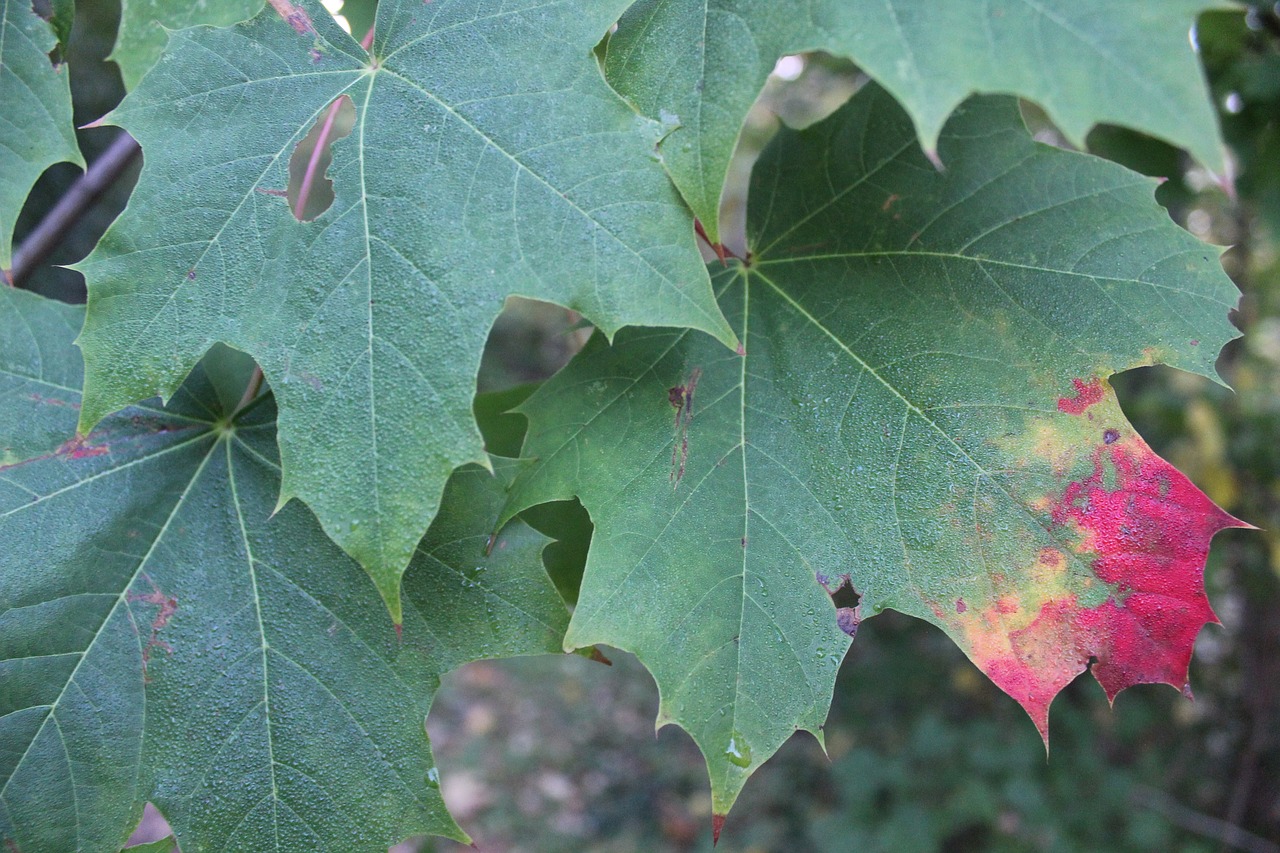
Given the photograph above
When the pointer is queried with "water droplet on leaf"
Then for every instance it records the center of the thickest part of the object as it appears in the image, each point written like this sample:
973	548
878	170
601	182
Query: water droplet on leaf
738	752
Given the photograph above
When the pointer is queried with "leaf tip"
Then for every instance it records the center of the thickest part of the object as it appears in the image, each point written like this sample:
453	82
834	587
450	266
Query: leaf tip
390	592
717	824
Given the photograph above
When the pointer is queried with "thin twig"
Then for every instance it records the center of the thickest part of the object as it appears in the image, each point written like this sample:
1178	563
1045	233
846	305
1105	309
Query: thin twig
100	175
1201	824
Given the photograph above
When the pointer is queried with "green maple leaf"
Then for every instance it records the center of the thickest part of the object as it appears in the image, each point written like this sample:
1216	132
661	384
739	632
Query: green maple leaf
488	158
922	409
164	637
699	64
36	130
144	26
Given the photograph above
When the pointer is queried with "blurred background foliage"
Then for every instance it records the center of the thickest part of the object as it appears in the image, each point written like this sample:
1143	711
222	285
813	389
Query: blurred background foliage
924	753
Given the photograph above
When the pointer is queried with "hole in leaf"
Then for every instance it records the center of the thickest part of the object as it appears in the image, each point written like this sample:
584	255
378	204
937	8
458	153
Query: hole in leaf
529	341
310	191
822	83
153	827
845	595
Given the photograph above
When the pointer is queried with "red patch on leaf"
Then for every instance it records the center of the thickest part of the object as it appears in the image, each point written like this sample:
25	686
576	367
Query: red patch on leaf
717	824
1148	529
1087	393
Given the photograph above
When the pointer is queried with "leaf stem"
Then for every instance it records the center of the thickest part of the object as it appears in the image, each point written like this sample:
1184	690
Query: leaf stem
101	174
722	251
313	163
250	392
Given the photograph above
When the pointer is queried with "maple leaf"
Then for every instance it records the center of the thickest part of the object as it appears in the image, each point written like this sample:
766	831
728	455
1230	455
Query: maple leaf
488	158
922	414
699	64
36	130
144	26
165	637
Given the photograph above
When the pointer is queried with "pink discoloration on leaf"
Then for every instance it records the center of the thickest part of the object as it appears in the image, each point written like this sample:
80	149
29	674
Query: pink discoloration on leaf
1145	530
53	401
1087	394
73	448
294	16
79	448
167	607
848	619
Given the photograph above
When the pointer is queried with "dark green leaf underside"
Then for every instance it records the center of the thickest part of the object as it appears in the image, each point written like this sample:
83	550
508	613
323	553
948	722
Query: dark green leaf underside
164	637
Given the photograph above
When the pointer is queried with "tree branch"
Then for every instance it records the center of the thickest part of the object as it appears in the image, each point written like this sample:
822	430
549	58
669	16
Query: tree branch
100	175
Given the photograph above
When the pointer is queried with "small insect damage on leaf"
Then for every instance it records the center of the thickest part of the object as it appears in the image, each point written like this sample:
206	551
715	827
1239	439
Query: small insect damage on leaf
294	16
681	399
848	602
1144	529
167	606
